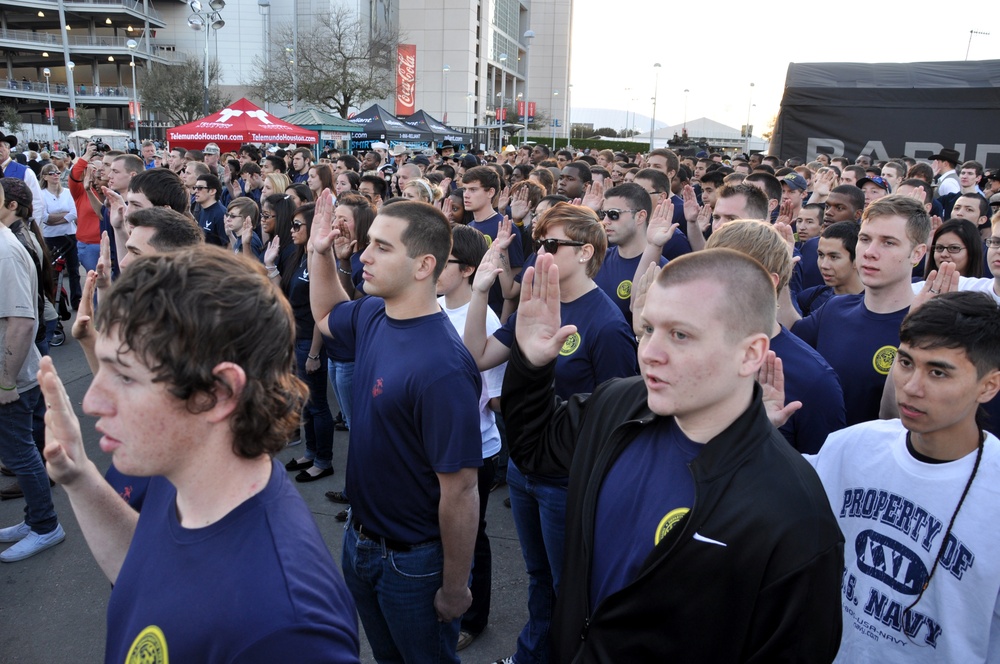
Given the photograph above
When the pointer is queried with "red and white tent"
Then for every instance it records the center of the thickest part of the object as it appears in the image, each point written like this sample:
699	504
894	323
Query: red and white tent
240	122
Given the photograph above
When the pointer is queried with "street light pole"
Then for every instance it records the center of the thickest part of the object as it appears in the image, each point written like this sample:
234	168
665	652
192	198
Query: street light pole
207	21
686	91
749	106
132	45
444	104
528	36
503	100
47	73
555	93
652	121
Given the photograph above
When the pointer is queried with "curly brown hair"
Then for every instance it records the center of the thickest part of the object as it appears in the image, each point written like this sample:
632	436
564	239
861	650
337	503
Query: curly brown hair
185	312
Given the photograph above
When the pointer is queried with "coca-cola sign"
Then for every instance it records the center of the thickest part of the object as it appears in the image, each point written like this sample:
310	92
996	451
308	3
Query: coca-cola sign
406	79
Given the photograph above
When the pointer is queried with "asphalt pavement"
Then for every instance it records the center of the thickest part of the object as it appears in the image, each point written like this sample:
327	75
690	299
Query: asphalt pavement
53	605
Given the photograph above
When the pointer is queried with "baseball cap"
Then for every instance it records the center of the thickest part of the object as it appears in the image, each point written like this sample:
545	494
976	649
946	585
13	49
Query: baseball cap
469	161
212	148
796	181
877	181
421	159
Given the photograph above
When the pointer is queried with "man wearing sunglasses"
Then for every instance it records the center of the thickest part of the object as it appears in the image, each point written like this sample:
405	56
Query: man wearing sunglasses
625	215
210	216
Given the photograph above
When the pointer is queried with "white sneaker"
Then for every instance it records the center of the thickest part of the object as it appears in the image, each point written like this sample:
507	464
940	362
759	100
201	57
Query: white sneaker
15	533
505	660
30	543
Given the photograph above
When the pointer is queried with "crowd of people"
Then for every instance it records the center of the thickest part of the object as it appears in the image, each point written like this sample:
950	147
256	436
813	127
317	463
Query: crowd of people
745	408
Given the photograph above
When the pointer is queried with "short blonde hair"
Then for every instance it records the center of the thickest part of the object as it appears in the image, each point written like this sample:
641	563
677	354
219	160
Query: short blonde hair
760	241
580	224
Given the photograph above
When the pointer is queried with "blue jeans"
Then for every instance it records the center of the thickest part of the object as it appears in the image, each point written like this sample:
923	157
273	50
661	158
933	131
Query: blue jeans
19	453
394	593
342	378
316	417
88	255
539	511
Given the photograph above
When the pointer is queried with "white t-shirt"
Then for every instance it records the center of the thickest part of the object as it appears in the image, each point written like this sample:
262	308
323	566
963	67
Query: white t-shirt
492	378
894	511
61	203
977	284
18	299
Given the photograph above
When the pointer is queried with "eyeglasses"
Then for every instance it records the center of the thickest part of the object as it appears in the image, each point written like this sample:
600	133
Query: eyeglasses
267	215
551	245
296	225
232	216
992	242
612	213
950	248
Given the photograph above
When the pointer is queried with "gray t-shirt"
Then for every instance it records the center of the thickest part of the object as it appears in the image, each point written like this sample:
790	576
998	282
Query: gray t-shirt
18	299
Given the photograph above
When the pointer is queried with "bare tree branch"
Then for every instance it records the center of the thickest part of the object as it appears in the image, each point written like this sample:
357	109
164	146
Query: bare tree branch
337	64
177	91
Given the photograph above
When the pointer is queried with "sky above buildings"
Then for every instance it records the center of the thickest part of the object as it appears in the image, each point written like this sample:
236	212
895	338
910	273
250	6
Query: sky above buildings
717	49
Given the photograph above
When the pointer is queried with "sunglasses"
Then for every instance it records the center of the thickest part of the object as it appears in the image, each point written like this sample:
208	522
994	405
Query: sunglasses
296	225
612	213
198	187
551	245
267	215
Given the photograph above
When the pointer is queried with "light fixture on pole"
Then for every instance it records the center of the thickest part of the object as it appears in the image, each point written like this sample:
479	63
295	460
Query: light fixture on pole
444	105
652	121
749	128
132	45
974	32
46	73
528	36
503	100
468	108
207	20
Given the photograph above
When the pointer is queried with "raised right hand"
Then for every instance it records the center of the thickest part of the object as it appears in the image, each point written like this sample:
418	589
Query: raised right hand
539	330
323	233
104	263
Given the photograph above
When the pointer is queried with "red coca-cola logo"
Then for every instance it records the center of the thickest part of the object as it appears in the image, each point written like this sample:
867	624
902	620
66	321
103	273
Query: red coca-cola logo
406	70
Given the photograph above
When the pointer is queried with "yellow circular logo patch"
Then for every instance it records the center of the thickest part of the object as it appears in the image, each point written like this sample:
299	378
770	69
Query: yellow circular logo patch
489	240
150	647
668	522
882	360
570	345
625	290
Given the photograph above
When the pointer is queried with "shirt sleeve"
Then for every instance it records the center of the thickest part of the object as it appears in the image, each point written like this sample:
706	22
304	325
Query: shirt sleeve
37	202
807	328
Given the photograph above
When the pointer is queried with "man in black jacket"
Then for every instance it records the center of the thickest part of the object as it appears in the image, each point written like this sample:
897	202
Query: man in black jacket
694	531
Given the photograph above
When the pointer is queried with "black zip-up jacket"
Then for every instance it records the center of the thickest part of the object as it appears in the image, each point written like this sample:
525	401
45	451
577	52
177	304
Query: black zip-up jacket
764	587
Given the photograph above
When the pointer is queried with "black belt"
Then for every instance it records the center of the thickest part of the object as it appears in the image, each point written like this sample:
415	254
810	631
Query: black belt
365	534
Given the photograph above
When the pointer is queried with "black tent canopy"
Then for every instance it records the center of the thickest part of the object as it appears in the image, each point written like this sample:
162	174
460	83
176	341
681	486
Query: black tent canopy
425	122
889	110
381	125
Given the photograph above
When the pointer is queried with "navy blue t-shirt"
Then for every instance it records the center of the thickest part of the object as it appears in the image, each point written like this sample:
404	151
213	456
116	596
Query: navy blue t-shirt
615	279
812	299
256	246
859	344
212	222
647	492
603	346
255	586
415	413
298	297
811	275
810	379
489	227
132	489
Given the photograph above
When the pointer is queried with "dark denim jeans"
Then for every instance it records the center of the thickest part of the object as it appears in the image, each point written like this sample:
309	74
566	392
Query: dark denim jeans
316	418
539	510
394	593
19	453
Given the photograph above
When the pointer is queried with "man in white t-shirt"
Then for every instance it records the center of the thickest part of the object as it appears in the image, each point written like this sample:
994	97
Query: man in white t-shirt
916	497
454	287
